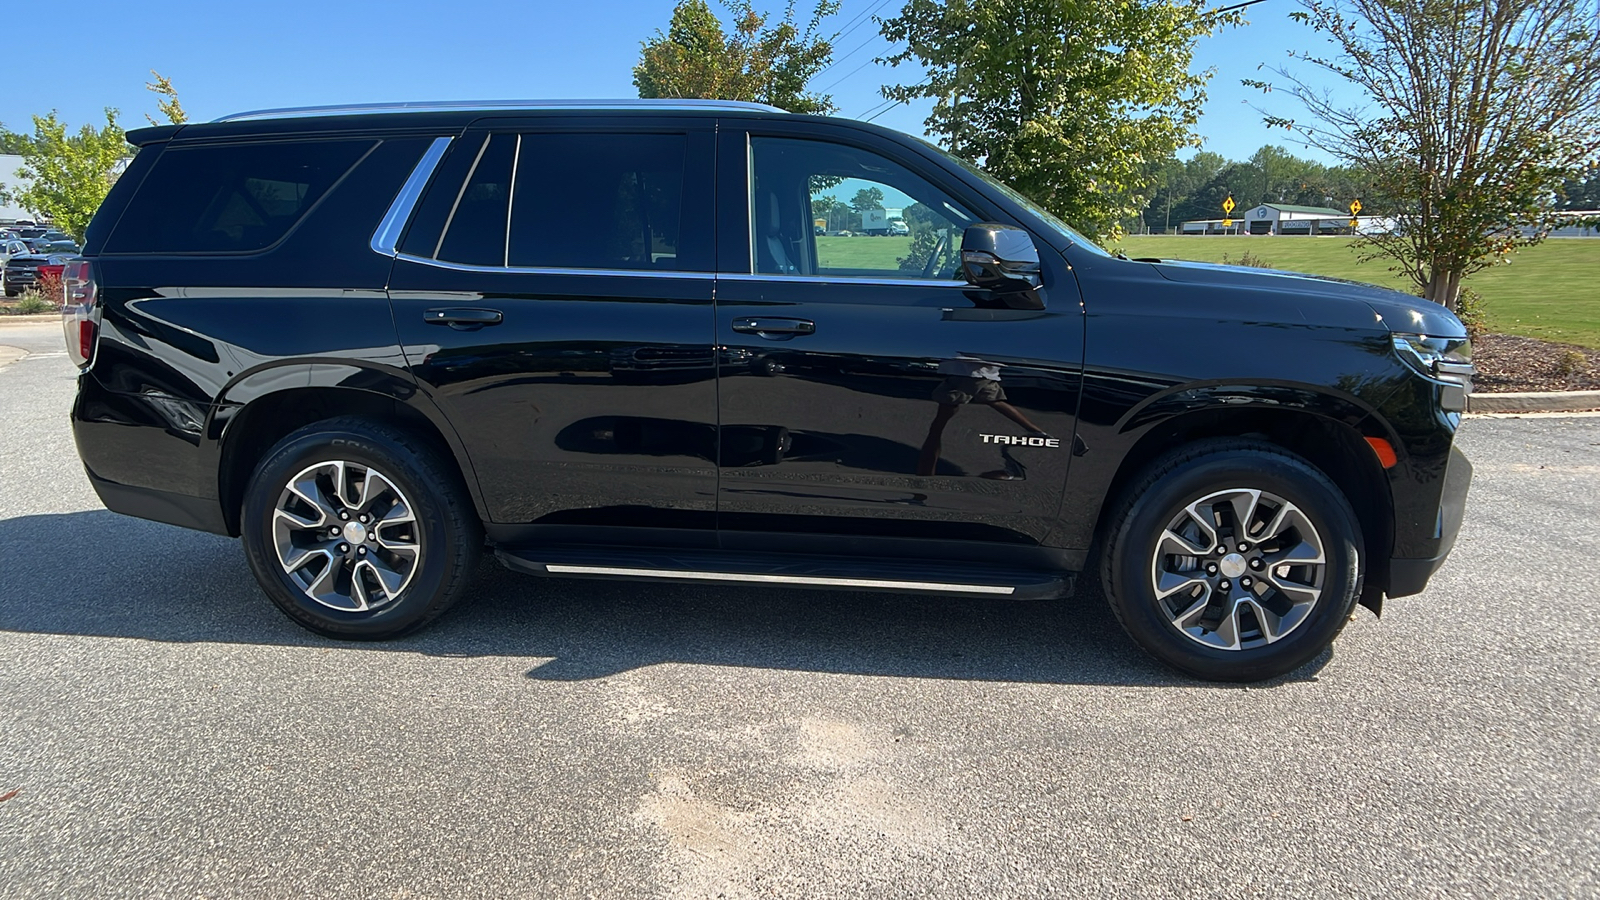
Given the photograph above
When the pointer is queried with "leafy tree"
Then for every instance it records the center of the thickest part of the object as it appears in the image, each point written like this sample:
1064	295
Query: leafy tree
1069	102
71	173
1582	191
758	62
867	198
12	142
1475	112
169	105
1175	182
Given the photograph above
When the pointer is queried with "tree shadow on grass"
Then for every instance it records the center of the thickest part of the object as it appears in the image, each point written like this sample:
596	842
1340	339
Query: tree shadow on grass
99	574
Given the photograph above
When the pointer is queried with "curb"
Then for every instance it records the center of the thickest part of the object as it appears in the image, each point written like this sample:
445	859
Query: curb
1534	401
29	320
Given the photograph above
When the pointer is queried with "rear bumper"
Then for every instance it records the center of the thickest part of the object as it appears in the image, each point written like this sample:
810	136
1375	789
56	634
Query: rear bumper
160	506
1409	575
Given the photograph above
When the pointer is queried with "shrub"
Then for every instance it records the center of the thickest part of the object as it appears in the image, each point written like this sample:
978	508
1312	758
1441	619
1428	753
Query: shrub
33	304
1247	259
50	288
1572	363
1469	309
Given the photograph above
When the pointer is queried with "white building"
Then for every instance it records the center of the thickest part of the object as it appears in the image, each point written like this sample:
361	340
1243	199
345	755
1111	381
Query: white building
11	177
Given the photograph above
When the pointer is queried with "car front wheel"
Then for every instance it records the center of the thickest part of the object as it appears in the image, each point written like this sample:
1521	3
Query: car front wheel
1233	561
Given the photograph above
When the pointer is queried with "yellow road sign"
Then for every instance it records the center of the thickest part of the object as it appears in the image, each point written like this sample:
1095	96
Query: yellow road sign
1354	223
1227	223
1355	207
1227	205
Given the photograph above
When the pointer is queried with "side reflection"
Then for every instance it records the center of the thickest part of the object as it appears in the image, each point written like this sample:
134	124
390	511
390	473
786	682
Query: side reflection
969	379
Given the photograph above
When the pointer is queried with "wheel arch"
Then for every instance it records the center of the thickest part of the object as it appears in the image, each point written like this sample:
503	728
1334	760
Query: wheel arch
245	432
1330	435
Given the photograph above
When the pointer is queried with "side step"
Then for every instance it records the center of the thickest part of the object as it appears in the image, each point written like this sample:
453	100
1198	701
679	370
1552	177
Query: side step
822	572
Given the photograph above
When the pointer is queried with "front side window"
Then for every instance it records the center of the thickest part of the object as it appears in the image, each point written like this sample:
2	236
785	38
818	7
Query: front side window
820	209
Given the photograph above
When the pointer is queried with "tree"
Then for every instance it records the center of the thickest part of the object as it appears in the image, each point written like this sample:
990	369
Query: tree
13	143
867	198
759	63
169	105
1070	103
71	173
1473	114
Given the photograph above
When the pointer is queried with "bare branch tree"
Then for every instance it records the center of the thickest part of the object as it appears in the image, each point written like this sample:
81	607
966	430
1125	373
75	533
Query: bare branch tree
1475	113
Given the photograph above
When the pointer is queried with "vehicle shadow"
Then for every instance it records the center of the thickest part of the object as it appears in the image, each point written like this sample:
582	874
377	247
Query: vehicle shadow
104	575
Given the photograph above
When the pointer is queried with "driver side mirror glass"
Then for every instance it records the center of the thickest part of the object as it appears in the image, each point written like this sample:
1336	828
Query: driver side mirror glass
1003	260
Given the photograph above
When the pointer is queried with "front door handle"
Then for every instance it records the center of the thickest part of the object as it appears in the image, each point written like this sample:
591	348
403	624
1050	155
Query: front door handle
775	328
463	318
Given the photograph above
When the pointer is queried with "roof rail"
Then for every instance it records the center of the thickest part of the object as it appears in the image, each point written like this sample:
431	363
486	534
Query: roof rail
493	106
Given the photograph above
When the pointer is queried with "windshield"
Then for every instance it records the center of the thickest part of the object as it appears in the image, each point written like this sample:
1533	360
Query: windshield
1045	216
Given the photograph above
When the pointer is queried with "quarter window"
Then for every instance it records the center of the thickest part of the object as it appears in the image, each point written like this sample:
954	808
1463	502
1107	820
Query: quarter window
230	199
822	209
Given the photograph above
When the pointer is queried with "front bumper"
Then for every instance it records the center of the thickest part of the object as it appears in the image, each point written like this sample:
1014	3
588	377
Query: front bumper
1409	575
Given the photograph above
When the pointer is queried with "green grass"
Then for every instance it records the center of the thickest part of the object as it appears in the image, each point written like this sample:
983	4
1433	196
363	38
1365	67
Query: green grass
862	252
1551	291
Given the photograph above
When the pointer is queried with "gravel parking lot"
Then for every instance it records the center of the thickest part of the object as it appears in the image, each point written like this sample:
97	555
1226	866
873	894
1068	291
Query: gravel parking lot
165	732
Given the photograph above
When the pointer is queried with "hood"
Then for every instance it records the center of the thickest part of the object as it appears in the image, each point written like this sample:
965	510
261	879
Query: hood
1397	311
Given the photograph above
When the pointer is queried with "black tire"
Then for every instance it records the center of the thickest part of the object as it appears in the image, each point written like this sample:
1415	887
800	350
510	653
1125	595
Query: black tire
1159	496
448	530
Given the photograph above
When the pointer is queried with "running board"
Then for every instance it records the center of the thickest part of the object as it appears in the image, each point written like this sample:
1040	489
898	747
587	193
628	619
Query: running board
820	572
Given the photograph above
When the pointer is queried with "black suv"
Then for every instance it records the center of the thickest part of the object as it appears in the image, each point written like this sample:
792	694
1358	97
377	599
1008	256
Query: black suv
606	340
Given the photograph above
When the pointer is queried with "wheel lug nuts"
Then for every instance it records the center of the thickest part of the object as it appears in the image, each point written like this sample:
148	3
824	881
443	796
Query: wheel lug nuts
1211	570
361	551
334	530
372	535
1224	584
344	515
1245	581
344	548
1255	563
1243	546
363	518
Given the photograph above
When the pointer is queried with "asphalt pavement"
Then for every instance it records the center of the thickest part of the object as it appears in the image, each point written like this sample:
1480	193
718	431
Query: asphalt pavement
165	732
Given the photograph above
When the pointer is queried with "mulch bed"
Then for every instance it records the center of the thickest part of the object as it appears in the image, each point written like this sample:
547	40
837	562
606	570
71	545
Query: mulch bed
1507	362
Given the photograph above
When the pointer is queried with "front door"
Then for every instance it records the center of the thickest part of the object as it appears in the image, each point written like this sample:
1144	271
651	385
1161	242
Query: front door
864	388
553	294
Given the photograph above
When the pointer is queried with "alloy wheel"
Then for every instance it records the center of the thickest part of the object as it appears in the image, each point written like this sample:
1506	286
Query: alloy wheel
1238	568
346	536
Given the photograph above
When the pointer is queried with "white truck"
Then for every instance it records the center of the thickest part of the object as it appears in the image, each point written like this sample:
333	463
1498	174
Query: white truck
881	221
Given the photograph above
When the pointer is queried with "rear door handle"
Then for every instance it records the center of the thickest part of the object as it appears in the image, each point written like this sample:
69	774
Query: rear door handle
464	318
775	327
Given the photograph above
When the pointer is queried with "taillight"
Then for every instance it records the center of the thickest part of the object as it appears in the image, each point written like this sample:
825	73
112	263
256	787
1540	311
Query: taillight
80	311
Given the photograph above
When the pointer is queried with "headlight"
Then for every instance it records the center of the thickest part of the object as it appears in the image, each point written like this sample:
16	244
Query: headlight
1441	359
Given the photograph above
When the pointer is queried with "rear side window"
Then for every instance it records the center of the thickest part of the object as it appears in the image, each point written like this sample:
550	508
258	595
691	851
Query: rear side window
238	198
607	200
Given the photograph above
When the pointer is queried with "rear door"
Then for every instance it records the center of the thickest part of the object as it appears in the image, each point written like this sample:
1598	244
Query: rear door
865	389
553	295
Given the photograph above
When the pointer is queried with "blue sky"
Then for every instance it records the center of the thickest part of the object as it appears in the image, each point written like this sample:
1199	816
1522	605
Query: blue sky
236	55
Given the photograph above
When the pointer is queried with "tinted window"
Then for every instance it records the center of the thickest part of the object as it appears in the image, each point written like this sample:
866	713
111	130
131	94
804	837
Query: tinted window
836	211
475	229
599	201
237	198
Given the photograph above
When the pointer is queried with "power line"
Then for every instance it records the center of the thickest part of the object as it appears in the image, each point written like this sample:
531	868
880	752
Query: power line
880	112
846	77
839	59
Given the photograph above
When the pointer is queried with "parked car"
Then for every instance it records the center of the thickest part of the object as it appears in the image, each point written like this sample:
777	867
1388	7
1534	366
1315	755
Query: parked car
10	247
601	342
23	271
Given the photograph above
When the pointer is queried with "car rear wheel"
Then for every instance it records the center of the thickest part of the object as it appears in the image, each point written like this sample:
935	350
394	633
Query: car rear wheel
356	530
1233	561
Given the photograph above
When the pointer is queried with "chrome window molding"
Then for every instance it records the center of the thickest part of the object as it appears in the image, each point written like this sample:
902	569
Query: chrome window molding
387	238
351	109
847	280
552	270
461	192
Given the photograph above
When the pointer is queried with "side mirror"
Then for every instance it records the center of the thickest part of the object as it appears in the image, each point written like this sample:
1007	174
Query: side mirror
1002	260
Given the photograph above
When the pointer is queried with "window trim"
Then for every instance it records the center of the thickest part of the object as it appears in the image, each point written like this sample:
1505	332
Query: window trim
386	239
